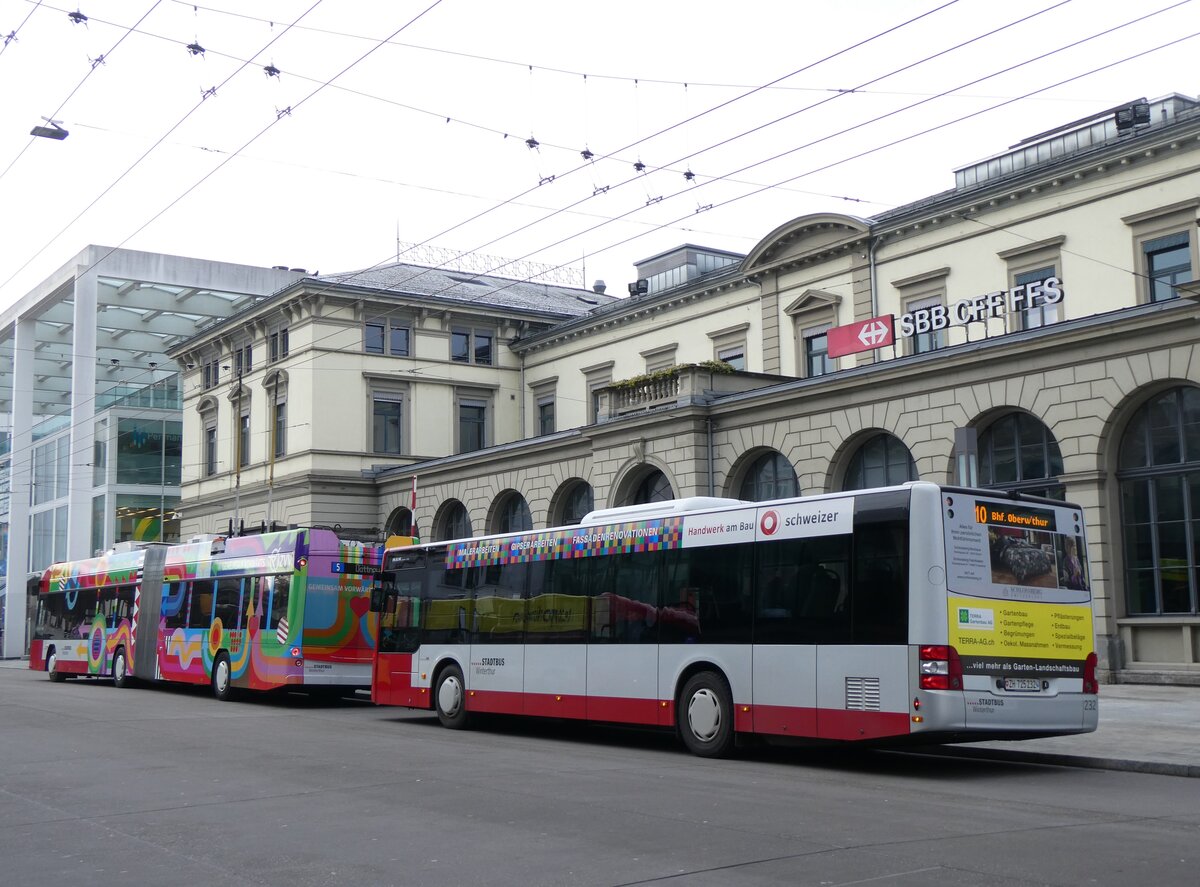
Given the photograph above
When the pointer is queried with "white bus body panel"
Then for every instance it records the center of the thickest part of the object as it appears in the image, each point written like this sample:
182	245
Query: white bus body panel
862	679
558	669
733	660
785	683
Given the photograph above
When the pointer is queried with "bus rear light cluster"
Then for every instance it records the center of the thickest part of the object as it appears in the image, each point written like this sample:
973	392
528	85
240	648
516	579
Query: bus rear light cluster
1090	684
941	668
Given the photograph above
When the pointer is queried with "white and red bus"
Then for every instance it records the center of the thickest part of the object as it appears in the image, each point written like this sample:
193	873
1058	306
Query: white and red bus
253	612
915	613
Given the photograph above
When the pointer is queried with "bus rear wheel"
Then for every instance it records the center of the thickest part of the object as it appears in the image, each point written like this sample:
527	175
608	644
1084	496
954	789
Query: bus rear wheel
120	669
704	715
222	679
52	671
450	698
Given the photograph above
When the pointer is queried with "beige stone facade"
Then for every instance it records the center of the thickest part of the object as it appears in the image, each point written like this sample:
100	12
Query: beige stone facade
1063	271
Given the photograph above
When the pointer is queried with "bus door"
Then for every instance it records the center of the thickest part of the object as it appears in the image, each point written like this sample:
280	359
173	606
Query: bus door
396	597
860	618
622	650
556	633
496	630
785	653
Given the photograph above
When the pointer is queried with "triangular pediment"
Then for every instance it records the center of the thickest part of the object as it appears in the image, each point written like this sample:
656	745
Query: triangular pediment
813	300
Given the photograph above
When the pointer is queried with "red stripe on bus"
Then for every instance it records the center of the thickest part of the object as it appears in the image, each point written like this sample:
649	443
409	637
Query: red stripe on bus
782	720
555	705
851	725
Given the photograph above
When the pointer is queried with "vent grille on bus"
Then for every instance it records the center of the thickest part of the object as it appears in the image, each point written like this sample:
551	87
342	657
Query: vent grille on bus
862	694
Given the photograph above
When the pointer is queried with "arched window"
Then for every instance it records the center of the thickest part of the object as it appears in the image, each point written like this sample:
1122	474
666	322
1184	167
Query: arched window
1159	472
1018	452
513	515
770	477
455	523
399	523
654	487
578	502
882	461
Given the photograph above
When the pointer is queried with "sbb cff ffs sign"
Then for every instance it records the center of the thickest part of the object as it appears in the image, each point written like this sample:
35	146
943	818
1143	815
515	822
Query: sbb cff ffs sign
865	335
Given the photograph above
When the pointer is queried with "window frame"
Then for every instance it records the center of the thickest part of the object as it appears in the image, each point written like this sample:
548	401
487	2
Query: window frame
385	394
472	335
1156	225
808	336
1045	258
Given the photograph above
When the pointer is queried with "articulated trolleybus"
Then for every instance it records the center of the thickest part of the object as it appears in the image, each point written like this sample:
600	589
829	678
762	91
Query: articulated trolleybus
254	612
909	614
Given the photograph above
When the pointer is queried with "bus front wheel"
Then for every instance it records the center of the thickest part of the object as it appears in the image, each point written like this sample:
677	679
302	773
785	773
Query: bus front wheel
450	698
222	683
121	669
705	715
52	671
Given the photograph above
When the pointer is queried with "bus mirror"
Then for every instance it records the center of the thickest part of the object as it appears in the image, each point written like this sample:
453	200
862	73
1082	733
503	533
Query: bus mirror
377	593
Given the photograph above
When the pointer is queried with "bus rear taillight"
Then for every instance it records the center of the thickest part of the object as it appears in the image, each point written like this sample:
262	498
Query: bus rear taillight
941	668
1090	684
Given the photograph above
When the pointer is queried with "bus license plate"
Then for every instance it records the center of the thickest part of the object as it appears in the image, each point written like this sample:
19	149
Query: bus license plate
1024	685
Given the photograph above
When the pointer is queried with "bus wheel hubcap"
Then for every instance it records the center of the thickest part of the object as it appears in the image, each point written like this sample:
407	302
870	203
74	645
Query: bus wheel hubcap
222	676
704	715
450	696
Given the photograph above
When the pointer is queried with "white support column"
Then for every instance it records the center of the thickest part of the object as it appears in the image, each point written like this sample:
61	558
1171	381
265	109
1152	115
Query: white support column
83	418
21	475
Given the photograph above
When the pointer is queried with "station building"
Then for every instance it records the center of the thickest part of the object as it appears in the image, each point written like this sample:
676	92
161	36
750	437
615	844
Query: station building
1035	324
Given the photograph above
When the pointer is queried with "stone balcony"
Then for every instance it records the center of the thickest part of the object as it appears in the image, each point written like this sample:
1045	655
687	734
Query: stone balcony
677	386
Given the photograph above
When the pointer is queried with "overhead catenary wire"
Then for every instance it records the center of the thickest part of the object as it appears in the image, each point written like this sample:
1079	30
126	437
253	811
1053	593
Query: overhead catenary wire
587	164
148	151
90	71
949	122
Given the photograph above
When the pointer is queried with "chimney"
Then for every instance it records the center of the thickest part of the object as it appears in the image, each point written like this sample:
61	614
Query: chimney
599	287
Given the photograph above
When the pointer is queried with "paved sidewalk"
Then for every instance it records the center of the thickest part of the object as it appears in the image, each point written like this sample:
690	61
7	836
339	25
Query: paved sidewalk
1143	727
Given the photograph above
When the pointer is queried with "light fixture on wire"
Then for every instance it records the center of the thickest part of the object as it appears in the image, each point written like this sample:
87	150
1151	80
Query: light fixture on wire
195	48
77	17
53	131
271	70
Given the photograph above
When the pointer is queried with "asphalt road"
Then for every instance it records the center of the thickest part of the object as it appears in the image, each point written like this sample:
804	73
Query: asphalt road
168	786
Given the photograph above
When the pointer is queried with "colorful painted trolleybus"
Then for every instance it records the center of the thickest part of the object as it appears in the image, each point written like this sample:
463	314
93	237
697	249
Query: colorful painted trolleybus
917	613
253	612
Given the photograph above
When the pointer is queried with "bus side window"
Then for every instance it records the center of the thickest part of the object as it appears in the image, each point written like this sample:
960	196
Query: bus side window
200	605
229	596
280	587
174	610
880	583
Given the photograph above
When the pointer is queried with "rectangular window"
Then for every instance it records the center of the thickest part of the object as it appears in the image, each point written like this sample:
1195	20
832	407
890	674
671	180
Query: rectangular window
244	440
210	450
243	359
735	356
1037	312
229	598
1168	264
200	602
139	451
277	345
373	336
280	426
816	353
387	413
471	346
398	340
212	372
100	454
472	415
921	343
545	408
383	335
